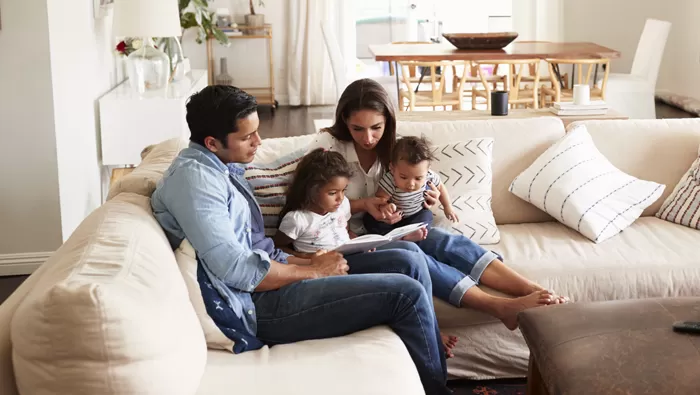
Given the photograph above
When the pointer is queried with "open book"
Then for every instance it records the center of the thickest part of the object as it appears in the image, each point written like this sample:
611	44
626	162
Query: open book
367	242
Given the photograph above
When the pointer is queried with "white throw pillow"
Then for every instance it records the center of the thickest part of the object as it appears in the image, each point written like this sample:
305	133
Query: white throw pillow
683	205
574	183
465	170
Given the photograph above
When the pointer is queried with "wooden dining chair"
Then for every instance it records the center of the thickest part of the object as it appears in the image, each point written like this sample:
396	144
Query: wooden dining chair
559	93
414	75
519	93
437	96
473	79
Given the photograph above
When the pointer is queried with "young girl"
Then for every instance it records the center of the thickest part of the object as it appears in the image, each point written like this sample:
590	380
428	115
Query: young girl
315	216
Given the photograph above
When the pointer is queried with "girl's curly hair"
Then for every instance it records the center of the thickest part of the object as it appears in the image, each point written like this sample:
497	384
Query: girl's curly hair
314	171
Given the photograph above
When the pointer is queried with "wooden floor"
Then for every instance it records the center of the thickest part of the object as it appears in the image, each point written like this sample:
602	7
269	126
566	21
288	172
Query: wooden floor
296	121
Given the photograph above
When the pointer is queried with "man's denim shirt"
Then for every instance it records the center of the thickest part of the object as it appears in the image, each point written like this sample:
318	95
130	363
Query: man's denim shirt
211	205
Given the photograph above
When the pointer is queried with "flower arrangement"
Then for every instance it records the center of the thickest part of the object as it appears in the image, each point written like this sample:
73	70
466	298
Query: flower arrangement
129	45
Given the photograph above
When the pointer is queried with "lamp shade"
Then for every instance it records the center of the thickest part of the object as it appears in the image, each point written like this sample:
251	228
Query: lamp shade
146	18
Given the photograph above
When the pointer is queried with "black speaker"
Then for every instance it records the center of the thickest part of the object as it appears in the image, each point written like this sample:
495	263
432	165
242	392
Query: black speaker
499	103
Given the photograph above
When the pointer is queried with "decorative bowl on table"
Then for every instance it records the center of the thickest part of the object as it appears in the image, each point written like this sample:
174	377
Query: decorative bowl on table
480	40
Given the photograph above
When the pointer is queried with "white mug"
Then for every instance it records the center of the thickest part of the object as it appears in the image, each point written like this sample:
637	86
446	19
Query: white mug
582	94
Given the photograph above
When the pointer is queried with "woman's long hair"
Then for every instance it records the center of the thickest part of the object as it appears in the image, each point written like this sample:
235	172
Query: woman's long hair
366	94
315	170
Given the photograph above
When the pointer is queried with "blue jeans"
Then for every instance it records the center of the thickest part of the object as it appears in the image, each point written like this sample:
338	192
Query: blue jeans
455	262
388	287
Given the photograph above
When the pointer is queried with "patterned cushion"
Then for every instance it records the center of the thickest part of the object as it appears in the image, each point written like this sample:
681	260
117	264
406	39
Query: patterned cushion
465	169
187	263
574	183
269	180
683	205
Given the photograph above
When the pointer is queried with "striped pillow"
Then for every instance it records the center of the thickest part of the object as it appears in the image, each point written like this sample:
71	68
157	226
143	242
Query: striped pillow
683	205
269	181
574	183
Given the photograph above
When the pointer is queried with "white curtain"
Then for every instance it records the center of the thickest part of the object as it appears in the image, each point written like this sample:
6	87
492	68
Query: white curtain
309	73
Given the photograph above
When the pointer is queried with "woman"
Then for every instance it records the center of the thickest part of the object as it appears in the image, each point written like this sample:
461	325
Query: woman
364	131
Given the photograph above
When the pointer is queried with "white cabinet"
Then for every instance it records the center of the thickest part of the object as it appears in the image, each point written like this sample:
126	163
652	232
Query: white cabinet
129	122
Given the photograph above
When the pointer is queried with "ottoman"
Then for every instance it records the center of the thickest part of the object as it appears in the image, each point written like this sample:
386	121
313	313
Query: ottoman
617	347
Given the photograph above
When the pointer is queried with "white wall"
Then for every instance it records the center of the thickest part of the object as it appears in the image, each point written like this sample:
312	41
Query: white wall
83	69
619	24
247	58
29	201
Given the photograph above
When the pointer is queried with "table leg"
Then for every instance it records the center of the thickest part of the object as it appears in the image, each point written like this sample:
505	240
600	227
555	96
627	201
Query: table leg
422	75
573	73
595	75
398	83
555	66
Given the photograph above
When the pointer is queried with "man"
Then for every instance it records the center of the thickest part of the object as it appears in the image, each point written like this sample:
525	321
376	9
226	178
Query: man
259	295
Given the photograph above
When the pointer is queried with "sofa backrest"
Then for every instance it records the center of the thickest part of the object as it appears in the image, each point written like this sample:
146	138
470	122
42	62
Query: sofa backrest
656	150
108	313
517	143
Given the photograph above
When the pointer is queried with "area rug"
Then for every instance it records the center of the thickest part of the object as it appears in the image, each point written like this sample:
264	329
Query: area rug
488	387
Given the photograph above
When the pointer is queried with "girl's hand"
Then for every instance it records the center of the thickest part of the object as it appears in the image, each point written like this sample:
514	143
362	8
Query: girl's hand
451	215
373	206
432	196
319	252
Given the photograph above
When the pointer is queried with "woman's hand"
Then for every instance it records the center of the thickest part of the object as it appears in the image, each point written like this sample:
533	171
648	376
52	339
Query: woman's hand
432	196
375	205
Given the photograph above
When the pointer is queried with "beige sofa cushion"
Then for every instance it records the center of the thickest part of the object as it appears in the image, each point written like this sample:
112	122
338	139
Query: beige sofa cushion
110	314
517	143
144	178
655	150
372	361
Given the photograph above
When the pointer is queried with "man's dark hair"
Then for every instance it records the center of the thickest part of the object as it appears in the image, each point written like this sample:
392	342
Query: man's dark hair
215	110
413	150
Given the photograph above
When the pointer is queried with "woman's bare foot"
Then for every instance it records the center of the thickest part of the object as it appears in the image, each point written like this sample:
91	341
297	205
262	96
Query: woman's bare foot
509	308
449	342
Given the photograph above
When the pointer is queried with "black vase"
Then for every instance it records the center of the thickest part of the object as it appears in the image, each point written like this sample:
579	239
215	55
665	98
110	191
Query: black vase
499	103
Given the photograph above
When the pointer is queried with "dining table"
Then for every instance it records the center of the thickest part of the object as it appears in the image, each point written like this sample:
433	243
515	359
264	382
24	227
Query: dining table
516	50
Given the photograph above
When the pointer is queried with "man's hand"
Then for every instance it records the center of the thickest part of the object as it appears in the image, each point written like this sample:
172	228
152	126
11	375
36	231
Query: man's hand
329	264
432	196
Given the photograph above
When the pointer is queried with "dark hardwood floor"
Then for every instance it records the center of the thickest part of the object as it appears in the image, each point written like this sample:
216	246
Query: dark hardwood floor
297	121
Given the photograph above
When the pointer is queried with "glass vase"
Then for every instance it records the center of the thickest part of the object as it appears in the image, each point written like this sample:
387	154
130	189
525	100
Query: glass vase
172	48
148	68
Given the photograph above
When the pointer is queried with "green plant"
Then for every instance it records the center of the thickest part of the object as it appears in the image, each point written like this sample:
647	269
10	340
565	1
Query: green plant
252	7
196	14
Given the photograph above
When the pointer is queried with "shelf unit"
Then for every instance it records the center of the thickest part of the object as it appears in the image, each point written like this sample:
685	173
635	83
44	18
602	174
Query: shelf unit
264	95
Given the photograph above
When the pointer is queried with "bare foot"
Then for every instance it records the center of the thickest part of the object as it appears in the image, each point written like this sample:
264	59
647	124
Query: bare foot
556	299
509	309
418	235
449	342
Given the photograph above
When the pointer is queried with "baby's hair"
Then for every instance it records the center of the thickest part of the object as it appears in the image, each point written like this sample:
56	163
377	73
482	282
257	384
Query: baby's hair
413	150
315	170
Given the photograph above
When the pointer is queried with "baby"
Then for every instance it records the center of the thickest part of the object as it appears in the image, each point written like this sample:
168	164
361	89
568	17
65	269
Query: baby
405	186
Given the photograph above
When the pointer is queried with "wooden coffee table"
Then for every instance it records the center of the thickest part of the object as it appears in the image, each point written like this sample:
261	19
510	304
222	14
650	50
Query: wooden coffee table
617	347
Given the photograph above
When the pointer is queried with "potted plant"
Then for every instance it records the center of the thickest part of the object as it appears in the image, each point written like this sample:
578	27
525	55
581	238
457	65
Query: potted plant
194	14
255	20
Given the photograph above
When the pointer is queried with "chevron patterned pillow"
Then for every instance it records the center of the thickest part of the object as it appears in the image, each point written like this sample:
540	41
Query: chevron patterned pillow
465	169
683	205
